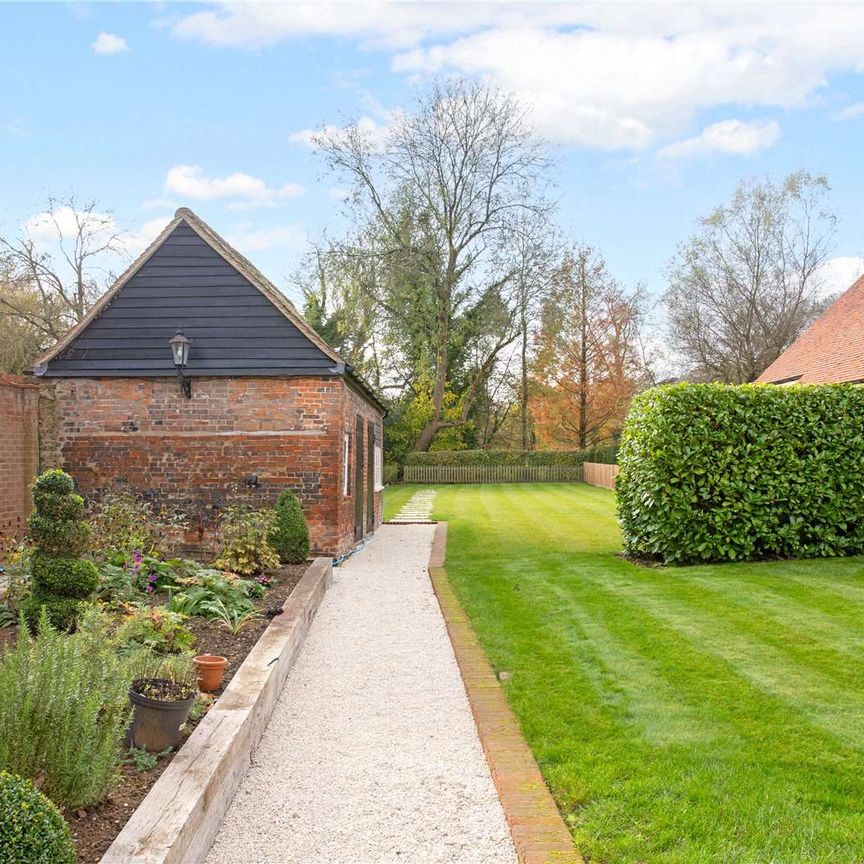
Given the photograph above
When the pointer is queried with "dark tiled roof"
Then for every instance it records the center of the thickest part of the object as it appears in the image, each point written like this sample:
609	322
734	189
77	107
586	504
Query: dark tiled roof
830	350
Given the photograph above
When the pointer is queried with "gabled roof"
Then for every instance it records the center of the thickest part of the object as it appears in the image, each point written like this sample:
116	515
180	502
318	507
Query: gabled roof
240	263
830	350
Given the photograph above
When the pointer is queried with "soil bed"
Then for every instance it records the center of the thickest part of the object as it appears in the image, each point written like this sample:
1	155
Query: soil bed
94	829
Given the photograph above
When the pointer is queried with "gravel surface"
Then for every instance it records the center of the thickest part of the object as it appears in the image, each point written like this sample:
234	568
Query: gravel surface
371	755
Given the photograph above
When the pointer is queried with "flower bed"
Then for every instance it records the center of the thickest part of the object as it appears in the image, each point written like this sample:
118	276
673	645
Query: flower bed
98	607
94	828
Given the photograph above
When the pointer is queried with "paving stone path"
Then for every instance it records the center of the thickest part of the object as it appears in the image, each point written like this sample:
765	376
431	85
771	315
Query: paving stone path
371	755
418	508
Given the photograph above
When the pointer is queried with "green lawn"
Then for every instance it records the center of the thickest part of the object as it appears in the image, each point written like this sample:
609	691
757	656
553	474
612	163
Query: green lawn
700	714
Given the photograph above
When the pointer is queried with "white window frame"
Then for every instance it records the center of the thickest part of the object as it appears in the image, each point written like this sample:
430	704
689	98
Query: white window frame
346	464
379	468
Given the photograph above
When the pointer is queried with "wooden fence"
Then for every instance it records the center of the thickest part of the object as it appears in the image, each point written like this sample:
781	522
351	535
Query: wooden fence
597	474
492	473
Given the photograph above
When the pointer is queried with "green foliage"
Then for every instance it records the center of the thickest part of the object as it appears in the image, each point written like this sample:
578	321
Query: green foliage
54	481
143	761
391	473
63	612
512	457
711	472
245	549
52	536
32	831
63	709
289	535
60	580
234	618
156	628
63	577
58	506
206	587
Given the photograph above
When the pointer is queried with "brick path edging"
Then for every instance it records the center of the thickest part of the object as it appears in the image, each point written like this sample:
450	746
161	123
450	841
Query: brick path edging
539	833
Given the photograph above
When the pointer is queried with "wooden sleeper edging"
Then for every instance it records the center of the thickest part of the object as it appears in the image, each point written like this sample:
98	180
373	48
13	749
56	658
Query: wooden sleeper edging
178	820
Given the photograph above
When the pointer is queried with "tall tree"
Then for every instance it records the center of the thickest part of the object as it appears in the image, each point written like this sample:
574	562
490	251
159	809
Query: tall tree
53	272
589	359
439	207
744	287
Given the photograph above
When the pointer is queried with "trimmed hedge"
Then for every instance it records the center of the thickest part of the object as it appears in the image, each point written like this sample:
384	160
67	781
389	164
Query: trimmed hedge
513	457
712	472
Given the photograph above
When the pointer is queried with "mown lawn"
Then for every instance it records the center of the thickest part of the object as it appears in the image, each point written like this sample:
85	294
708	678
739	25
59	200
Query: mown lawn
700	714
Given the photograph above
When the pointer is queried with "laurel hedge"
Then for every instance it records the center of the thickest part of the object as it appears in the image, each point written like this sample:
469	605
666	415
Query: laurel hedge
513	457
712	472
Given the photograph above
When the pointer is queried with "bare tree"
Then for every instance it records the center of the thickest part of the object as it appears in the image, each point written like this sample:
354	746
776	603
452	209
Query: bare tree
744	287
58	275
439	205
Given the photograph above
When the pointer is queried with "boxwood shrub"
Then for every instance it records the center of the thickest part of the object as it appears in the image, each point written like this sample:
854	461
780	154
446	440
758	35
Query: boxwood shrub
712	472
32	831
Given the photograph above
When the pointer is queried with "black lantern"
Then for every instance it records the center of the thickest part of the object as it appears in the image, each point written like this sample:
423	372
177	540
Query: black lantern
180	352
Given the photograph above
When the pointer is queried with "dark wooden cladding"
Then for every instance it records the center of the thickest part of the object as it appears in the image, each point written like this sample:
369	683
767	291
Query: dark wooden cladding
234	328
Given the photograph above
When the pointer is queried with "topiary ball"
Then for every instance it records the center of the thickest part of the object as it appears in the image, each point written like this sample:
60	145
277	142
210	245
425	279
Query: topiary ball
59	536
289	535
53	505
65	577
32	831
64	613
56	481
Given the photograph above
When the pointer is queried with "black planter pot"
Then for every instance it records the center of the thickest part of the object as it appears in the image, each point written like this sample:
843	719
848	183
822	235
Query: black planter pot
156	723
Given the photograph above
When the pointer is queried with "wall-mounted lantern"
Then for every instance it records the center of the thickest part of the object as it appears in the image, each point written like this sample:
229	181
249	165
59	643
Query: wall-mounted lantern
180	352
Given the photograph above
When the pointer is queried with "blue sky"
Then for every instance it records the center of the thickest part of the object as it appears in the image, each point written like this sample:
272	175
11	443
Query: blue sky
655	111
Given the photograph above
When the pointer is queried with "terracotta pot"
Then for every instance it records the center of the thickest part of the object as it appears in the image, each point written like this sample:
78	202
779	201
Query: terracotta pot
156	723
210	668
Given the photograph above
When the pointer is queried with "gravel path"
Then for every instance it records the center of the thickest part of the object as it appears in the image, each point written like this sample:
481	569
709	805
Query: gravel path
371	755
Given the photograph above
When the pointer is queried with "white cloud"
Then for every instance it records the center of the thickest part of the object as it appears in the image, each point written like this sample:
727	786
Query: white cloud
850	112
291	238
189	181
728	136
376	131
390	24
109	43
136	241
838	274
606	75
16	126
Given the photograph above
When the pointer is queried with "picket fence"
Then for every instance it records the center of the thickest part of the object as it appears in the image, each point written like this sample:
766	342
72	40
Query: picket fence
492	474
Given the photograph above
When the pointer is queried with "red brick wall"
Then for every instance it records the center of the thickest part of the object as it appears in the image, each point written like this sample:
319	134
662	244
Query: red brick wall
19	450
193	455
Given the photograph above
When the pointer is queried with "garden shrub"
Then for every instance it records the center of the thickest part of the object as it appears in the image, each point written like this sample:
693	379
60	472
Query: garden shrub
60	580
32	831
289	535
712	472
64	709
245	549
156	628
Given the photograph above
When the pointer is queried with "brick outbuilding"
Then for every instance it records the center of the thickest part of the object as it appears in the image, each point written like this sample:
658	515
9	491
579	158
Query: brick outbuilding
263	403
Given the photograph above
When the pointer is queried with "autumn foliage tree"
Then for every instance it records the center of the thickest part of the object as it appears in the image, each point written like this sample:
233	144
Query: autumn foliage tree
589	359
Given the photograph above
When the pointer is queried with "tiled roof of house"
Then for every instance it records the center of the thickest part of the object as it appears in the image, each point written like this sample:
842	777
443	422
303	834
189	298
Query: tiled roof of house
831	349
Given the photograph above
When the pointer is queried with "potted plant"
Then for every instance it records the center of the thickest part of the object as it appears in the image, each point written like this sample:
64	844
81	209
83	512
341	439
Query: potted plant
210	668
161	708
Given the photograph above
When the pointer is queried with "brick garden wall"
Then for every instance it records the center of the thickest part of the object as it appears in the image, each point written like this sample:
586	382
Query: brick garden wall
19	450
193	456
